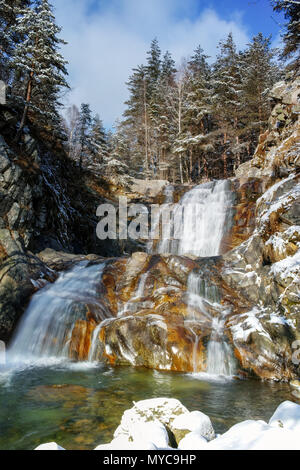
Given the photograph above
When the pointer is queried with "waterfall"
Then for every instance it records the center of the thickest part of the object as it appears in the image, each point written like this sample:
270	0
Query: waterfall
204	214
220	360
45	330
201	217
206	311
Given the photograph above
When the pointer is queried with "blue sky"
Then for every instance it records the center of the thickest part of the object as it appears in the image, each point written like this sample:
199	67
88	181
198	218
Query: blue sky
107	38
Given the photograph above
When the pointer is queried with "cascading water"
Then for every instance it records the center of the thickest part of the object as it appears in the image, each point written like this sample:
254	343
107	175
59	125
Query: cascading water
220	360
204	214
201	216
45	330
207	312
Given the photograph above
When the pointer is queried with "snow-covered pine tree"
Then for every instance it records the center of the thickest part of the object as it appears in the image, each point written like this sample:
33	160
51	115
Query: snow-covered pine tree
86	148
259	73
160	117
226	98
153	64
99	139
39	68
177	104
9	10
114	164
198	113
137	118
291	36
168	69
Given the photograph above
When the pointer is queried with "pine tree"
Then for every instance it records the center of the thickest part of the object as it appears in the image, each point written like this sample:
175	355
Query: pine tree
9	11
259	72
99	139
227	85
198	112
168	69
291	37
177	99
153	63
84	135
114	163
137	116
160	117
37	64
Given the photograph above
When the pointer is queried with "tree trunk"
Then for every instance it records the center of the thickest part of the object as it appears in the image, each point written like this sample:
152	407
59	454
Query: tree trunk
26	108
146	129
238	162
191	164
181	170
225	156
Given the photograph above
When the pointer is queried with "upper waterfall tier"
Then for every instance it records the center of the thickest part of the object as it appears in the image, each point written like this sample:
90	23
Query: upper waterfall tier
203	216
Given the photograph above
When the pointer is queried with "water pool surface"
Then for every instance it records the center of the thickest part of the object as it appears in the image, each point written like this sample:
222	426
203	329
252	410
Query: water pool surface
79	406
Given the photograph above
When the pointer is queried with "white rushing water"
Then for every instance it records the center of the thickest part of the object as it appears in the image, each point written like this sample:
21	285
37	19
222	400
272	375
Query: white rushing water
206	218
206	311
46	328
220	359
199	220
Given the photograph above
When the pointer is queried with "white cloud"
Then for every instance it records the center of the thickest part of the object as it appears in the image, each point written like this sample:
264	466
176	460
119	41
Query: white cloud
106	42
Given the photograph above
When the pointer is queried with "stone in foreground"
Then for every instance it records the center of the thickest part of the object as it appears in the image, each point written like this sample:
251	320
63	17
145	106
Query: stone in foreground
49	446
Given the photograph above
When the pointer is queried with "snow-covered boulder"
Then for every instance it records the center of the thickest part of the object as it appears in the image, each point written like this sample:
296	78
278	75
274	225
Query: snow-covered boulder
104	447
282	432
195	422
149	417
193	441
287	416
143	433
256	435
147	436
49	446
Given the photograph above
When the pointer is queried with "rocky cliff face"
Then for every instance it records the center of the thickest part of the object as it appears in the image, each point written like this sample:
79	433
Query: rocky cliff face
265	270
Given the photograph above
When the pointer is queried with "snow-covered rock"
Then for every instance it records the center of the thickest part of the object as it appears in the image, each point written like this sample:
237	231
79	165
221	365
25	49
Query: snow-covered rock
196	422
49	446
193	441
281	433
157	412
256	435
287	416
104	447
143	426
